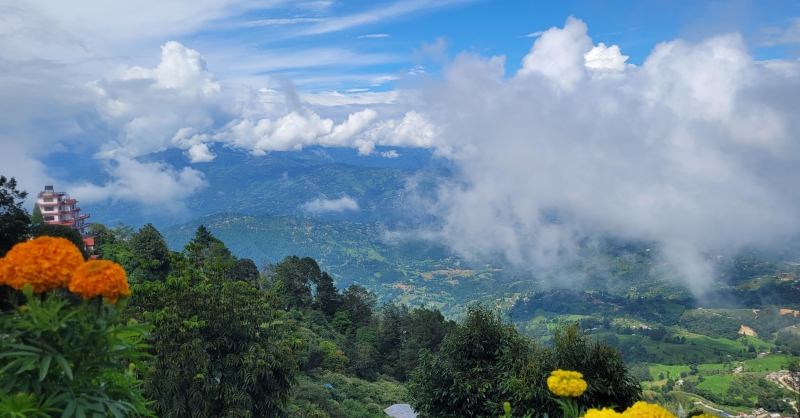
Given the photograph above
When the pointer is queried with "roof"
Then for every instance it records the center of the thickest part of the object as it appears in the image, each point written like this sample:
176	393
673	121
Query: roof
400	410
89	241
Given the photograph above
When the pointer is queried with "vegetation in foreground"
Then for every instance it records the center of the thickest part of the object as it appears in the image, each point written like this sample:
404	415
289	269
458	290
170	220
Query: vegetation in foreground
342	355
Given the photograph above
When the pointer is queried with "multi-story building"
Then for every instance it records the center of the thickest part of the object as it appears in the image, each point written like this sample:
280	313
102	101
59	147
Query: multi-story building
59	209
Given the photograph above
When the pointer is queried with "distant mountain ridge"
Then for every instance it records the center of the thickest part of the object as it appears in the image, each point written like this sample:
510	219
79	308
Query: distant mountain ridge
281	183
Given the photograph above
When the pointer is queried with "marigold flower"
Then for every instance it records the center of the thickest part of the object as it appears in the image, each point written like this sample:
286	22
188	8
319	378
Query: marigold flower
602	413
647	410
566	383
46	263
100	278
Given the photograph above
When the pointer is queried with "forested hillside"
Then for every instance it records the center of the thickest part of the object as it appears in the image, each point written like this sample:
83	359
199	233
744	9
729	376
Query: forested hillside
280	184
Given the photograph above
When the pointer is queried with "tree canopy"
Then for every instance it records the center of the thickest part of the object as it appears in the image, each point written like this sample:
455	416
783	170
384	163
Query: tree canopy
484	362
14	219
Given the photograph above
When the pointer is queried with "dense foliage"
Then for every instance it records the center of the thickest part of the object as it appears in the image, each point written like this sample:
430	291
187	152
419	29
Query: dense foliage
59	356
484	362
14	219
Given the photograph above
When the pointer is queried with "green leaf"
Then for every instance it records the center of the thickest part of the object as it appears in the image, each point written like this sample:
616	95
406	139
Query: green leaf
64	365
70	409
45	366
25	365
19	354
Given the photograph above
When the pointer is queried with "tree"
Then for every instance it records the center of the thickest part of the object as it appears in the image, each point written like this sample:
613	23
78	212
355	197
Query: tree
102	235
669	385
328	299
150	251
203	237
221	348
484	362
293	279
14	219
358	302
244	270
466	377
37	218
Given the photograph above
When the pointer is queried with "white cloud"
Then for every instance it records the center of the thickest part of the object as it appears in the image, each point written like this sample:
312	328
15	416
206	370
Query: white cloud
199	153
353	97
696	149
294	131
415	130
605	58
536	34
558	54
394	10
390	154
150	107
781	36
374	35
325	205
285	21
147	183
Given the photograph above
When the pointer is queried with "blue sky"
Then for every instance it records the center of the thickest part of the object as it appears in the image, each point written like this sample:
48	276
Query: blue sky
670	121
386	38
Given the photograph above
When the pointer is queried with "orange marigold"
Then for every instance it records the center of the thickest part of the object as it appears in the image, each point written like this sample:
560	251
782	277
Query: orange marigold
45	262
647	410
100	278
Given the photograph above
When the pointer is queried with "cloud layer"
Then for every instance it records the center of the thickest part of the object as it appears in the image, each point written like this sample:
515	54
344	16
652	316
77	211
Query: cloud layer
696	149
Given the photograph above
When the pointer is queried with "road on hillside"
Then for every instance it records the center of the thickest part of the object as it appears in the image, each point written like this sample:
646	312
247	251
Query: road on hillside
724	414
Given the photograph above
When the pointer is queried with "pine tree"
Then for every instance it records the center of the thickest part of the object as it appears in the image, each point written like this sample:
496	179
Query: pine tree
150	251
37	218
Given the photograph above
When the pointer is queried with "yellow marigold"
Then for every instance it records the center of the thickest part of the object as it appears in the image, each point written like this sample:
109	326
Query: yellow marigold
566	383
647	410
602	413
45	262
100	278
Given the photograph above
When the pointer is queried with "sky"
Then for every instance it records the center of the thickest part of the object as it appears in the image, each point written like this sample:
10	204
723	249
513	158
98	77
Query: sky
670	121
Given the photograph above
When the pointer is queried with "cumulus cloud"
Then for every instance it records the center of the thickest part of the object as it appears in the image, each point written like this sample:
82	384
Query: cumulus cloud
390	154
605	58
199	153
149	183
558	54
151	107
326	205
696	150
180	104
414	131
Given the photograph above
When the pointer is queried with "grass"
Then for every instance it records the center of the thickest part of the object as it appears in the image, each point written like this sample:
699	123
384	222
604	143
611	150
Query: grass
674	371
770	363
717	384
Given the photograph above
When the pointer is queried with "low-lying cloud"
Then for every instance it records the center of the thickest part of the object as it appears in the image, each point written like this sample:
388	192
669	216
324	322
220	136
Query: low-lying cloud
156	184
696	149
326	205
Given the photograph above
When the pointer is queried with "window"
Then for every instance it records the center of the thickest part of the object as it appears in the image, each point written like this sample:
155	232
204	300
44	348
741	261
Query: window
49	208
48	218
48	199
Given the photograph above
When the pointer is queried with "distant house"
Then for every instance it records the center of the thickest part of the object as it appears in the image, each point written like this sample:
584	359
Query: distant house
58	208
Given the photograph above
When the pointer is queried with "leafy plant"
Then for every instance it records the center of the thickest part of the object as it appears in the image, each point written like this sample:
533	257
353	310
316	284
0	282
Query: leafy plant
71	359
